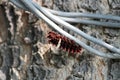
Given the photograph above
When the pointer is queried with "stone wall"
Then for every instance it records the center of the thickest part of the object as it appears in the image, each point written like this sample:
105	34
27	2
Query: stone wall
26	55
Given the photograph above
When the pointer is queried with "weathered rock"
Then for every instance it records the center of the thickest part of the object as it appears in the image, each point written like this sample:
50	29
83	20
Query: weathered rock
26	55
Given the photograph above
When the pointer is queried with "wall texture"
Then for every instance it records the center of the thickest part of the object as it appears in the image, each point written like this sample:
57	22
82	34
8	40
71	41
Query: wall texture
26	55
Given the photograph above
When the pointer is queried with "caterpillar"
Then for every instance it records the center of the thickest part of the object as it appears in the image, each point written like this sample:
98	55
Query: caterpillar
66	44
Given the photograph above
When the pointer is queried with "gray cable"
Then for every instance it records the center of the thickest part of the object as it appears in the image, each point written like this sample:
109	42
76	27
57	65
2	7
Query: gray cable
71	16
76	30
52	24
79	14
29	5
92	22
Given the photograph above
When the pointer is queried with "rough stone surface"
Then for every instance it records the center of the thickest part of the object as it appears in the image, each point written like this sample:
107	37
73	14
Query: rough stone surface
26	55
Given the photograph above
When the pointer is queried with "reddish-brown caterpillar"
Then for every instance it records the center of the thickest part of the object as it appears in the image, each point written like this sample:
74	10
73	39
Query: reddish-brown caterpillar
66	44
